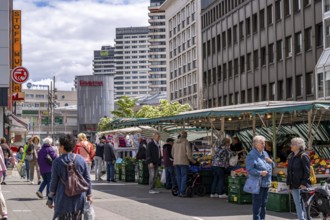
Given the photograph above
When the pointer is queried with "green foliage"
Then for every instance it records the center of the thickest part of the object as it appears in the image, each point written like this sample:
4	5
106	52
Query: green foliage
104	124
164	109
125	108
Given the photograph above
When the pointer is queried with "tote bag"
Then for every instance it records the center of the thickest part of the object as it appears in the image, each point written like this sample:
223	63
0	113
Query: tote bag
252	185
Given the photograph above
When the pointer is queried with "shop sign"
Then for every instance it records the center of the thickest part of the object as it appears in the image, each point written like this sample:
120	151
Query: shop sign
90	83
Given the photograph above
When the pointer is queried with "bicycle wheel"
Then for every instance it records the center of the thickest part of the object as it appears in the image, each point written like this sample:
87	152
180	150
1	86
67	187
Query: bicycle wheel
189	191
200	190
313	212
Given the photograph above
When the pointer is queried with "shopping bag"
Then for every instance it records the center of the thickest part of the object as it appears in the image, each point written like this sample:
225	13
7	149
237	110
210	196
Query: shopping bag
233	160
163	178
89	213
252	185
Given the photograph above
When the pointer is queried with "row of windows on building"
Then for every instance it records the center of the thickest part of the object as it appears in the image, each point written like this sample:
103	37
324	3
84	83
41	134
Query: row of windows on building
184	81
131	67
183	92
290	7
131	72
183	17
274	90
39	104
131	51
130	77
131	93
129	47
131	36
183	59
129	82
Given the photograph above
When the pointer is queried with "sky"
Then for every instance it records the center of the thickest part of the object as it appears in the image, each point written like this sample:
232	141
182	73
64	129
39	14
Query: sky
59	36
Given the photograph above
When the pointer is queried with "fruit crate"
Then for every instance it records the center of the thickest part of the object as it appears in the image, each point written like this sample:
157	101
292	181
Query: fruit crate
118	171
236	180
236	185
278	202
143	180
240	199
281	178
128	177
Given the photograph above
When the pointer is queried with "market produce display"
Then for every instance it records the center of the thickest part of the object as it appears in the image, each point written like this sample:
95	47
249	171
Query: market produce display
321	165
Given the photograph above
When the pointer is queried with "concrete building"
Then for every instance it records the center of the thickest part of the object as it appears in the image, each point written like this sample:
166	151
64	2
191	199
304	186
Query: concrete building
132	61
184	65
95	97
260	50
104	61
34	110
157	48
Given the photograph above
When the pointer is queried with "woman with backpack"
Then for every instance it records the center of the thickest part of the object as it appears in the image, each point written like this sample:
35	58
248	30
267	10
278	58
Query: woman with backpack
298	173
69	203
45	159
85	149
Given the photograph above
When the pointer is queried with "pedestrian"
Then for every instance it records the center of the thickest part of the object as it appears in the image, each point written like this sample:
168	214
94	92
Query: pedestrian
220	166
7	154
85	149
168	164
32	156
45	165
153	158
258	164
182	155
141	154
110	160
298	174
27	165
237	147
68	207
3	207
99	158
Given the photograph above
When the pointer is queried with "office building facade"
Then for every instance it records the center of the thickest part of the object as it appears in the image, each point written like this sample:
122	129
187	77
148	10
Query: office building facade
132	62
157	48
260	50
104	61
184	65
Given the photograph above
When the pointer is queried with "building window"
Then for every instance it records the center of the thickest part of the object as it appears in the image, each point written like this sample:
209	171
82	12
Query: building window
213	45
224	72
255	59
255	23
263	56
231	99
236	97
229	37
270	14
263	92
242	64
298	42
309	83
289	90
308	39
287	7
235	34
280	90
272	91
236	66
307	3
219	73
278	11
230	70
299	86
248	26
256	94
224	40
249	95
248	62
218	42
319	34
262	19
296	5
242	97
288	46
320	91
270	53
279	53
214	76
208	47
241	30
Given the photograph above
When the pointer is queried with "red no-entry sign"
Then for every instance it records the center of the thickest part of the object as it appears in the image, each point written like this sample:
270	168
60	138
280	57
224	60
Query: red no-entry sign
20	74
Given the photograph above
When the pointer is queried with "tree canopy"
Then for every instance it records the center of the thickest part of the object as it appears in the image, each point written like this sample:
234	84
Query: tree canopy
125	108
104	124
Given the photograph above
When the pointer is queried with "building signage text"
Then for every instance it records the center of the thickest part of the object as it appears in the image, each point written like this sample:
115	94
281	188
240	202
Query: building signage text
90	83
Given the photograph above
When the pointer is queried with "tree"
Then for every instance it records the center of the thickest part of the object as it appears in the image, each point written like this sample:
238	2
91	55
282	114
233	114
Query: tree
164	109
125	107
104	124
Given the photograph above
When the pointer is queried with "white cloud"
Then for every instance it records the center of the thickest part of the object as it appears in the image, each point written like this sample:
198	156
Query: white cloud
59	37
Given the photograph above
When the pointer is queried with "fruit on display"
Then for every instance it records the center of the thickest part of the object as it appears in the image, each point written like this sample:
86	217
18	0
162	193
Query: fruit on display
281	173
320	165
282	165
240	172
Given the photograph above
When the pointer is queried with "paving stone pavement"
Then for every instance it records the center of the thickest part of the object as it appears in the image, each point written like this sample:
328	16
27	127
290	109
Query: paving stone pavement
127	201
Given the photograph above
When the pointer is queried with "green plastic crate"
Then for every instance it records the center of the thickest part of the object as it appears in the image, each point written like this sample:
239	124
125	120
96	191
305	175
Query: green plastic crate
240	199
236	180
281	178
278	202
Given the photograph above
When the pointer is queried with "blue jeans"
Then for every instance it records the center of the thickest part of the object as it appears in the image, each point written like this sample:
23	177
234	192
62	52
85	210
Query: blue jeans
298	202
181	178
259	204
218	183
170	177
46	177
110	171
27	167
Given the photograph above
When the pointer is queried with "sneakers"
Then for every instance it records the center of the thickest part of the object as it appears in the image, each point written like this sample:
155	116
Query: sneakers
215	195
223	196
153	191
39	194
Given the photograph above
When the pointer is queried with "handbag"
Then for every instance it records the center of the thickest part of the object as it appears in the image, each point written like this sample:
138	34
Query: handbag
29	157
48	158
163	178
252	185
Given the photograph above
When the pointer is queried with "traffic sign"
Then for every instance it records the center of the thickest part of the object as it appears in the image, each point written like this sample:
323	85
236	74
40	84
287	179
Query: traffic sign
18	96
20	75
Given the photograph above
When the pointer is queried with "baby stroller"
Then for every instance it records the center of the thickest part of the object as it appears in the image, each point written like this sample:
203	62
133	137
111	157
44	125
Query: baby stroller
21	170
194	186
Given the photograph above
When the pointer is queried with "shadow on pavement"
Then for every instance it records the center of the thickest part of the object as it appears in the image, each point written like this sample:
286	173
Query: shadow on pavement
196	206
23	199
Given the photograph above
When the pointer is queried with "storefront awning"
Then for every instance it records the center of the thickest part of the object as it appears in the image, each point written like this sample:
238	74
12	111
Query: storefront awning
323	64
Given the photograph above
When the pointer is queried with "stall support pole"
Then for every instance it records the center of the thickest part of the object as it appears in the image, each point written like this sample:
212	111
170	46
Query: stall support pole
211	122
274	134
223	126
310	113
254	125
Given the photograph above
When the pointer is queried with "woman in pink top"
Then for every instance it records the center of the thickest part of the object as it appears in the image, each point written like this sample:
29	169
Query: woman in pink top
3	207
85	149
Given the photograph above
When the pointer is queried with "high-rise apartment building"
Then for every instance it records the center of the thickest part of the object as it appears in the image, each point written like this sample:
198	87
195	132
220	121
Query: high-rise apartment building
260	50
184	65
132	61
157	48
104	61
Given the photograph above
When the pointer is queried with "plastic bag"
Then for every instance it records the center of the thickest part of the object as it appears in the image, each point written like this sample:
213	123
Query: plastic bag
89	213
163	178
233	160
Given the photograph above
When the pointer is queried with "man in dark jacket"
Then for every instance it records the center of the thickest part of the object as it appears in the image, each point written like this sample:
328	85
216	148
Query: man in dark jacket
110	160
141	154
168	164
99	158
153	161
